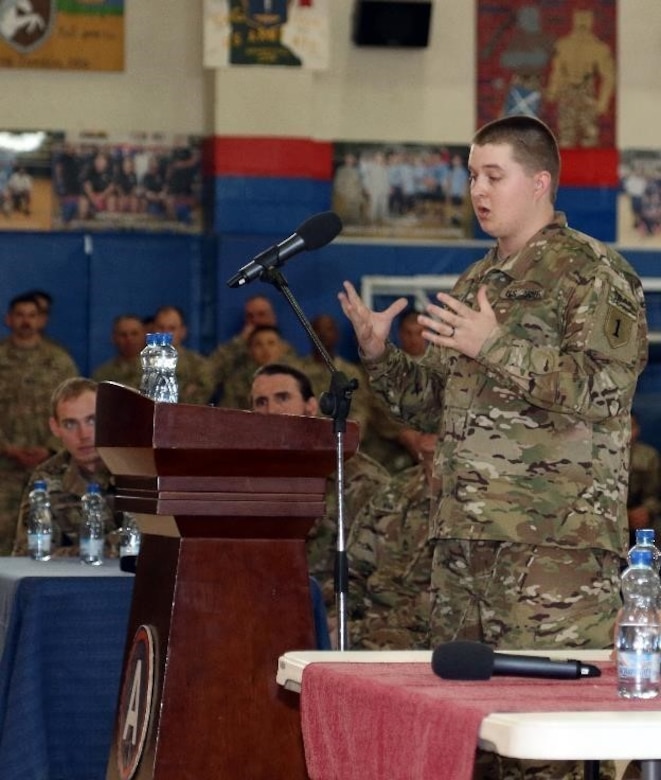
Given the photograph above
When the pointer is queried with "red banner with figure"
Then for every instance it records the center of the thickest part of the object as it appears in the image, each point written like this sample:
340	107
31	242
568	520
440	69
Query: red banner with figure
554	59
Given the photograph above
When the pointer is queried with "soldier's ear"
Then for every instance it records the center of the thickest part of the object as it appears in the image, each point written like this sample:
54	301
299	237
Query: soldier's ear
542	182
54	427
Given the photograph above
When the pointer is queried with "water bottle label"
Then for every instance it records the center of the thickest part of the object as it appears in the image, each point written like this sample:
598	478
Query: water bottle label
39	544
638	666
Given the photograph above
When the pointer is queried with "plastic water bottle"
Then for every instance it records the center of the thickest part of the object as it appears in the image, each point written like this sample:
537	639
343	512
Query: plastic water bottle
165	388
92	530
40	523
129	543
645	541
147	360
637	630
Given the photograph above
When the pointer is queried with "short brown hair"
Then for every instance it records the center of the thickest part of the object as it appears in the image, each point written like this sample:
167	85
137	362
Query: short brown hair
69	390
533	144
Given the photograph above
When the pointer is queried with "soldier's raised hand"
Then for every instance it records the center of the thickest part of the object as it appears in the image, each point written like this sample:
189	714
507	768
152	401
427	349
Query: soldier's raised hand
371	327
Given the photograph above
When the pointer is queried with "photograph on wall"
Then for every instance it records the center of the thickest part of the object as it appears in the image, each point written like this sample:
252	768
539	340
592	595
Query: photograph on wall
62	34
554	59
407	190
639	199
26	195
140	181
291	33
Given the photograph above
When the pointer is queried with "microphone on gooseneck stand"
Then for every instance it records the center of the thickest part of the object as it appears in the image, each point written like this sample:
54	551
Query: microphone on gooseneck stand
315	232
466	660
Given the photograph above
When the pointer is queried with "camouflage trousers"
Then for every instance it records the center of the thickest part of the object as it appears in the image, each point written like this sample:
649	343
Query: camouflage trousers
517	596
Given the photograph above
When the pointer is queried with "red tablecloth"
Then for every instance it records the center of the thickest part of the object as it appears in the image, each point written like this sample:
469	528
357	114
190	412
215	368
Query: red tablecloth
400	721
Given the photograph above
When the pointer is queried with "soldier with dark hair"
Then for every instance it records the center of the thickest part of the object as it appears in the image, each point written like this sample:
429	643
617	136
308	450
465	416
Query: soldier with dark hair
29	369
278	388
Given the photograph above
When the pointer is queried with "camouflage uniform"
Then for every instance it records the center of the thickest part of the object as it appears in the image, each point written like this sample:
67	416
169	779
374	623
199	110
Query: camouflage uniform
236	388
230	363
193	377
66	485
320	378
645	482
378	428
533	449
362	478
380	440
390	566
28	376
118	369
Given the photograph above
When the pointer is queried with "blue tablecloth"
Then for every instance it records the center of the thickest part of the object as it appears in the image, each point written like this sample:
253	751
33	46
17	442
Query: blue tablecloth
61	667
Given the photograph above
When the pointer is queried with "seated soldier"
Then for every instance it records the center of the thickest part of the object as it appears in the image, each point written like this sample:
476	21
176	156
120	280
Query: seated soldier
69	472
644	494
390	556
278	388
264	345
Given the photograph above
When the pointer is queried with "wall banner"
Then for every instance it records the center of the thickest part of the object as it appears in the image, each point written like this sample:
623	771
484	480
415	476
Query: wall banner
62	34
292	33
554	59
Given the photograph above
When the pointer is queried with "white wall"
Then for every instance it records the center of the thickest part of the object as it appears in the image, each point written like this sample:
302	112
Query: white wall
161	88
369	93
423	95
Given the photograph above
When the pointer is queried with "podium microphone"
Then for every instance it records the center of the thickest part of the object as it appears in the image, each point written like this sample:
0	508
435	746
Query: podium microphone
465	660
315	232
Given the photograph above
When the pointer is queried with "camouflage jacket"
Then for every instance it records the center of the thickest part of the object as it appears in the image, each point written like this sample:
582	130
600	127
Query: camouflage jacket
362	478
390	565
378	428
230	357
534	432
193	377
124	372
28	377
66	485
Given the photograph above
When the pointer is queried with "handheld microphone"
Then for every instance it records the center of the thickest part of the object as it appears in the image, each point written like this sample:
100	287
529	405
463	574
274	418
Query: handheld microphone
465	660
315	232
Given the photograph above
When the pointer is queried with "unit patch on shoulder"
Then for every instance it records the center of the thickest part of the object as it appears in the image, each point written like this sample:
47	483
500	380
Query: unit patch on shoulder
620	319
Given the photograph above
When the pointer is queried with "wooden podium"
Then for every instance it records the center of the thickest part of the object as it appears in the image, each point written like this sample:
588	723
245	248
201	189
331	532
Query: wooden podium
224	499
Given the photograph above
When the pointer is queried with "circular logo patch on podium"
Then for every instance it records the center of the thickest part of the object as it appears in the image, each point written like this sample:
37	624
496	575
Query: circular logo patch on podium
135	702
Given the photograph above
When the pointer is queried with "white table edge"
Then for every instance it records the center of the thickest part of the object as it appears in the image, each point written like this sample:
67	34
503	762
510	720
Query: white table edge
580	736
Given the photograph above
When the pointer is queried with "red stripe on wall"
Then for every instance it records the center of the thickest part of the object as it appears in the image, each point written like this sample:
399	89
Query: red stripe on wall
257	156
590	167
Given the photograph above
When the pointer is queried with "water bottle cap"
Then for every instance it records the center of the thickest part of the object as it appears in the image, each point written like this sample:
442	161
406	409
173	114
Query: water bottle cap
641	558
644	536
150	339
39	484
93	487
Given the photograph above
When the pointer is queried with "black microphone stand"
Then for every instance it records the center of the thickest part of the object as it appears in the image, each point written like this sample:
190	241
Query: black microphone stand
336	403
